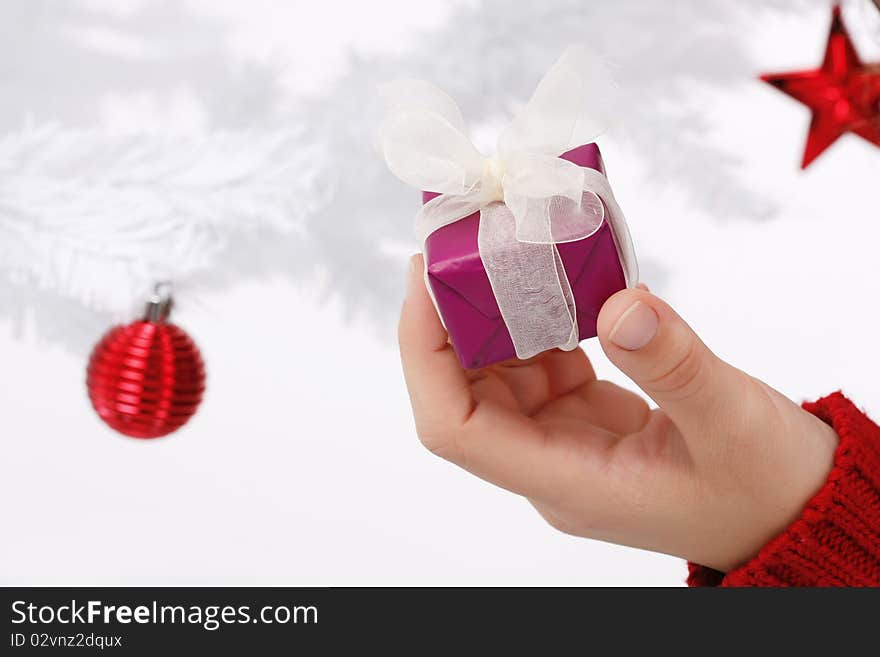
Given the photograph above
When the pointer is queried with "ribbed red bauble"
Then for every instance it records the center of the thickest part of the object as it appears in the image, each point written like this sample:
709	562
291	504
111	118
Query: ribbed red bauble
146	379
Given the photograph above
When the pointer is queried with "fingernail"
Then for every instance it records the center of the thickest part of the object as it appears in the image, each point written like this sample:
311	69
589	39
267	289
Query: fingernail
635	327
644	287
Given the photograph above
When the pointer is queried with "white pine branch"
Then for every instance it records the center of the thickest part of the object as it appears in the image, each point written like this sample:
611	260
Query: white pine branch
98	217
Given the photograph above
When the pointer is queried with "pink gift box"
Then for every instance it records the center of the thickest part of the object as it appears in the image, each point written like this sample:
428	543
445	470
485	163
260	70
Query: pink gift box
464	296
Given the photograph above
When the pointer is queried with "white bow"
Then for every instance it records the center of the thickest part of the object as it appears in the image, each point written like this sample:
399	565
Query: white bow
526	194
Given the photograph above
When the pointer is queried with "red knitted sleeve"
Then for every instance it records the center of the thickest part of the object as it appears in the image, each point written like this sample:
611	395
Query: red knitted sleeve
836	540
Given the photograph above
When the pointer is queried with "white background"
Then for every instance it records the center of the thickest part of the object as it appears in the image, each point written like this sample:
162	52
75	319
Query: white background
302	466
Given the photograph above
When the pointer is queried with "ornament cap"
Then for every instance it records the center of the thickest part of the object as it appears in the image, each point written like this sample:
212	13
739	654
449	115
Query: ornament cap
159	305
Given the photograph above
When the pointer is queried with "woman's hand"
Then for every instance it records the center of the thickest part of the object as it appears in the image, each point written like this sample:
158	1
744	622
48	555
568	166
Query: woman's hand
723	465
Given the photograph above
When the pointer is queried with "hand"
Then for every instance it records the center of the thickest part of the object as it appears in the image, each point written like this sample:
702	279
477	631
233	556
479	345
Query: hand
724	465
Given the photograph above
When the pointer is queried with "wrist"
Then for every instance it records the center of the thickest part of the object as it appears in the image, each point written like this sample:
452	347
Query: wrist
780	499
835	540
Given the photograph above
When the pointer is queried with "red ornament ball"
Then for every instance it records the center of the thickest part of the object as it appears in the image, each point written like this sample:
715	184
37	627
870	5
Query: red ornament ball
146	379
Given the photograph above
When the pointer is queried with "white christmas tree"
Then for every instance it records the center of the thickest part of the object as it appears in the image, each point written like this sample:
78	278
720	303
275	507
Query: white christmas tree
228	175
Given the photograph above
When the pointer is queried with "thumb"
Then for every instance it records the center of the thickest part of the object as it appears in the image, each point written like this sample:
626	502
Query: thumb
646	339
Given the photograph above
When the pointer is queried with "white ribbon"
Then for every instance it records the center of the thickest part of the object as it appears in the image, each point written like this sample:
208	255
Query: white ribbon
528	198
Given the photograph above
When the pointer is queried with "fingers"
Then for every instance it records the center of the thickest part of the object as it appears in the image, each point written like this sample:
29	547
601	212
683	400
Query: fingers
646	339
614	408
567	371
539	380
601	404
438	388
474	419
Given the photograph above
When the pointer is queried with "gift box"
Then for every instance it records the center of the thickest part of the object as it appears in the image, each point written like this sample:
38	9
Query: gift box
464	296
523	247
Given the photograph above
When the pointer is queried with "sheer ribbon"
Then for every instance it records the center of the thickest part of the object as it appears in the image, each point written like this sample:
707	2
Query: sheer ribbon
529	199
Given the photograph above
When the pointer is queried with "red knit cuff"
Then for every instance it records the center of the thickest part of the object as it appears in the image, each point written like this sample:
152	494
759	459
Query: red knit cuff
836	541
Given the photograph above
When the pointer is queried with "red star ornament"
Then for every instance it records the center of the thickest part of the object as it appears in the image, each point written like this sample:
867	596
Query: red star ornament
844	94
